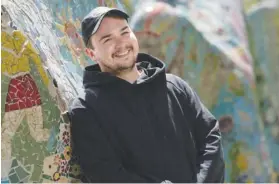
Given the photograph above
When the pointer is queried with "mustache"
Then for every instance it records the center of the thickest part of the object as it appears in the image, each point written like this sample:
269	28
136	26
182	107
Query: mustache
121	49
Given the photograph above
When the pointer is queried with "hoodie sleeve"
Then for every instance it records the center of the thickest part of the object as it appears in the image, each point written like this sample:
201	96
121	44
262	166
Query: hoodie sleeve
97	159
207	136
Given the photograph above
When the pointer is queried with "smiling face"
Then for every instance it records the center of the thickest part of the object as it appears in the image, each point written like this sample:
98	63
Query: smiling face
115	46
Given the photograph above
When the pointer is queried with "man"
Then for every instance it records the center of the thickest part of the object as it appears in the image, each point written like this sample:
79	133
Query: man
135	123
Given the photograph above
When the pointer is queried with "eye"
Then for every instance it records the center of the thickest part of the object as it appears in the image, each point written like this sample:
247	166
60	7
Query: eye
107	40
124	33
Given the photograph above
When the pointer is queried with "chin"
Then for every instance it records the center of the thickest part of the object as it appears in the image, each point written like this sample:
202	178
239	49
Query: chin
126	66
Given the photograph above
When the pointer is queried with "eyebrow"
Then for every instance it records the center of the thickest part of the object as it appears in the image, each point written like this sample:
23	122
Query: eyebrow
108	35
126	27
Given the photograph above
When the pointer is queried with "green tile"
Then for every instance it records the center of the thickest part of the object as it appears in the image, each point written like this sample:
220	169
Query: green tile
28	168
25	131
46	177
36	174
12	171
13	178
26	180
21	173
14	163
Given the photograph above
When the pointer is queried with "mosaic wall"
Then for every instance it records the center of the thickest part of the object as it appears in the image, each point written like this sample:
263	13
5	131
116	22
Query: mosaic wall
266	63
42	59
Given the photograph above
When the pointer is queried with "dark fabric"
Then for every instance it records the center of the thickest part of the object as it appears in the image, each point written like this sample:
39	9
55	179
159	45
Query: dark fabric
153	130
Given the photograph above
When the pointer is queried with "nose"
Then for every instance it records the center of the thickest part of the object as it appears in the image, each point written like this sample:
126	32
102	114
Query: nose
119	44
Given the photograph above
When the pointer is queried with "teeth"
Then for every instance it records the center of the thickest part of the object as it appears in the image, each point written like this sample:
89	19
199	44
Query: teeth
123	53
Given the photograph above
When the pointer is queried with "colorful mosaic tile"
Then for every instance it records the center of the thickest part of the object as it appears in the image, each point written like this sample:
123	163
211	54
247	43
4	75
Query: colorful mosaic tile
42	58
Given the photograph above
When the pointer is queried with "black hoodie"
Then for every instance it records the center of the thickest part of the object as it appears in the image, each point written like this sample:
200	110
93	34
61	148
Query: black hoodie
153	130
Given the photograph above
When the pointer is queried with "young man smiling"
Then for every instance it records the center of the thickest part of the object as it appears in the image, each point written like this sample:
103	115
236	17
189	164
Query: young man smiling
135	123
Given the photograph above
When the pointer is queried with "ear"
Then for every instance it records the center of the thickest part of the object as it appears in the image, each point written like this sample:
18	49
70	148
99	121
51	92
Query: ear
90	53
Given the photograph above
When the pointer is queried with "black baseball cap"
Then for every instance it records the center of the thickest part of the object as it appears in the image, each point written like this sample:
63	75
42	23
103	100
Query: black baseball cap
92	21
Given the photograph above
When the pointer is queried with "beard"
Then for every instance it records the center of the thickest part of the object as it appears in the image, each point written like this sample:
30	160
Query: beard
117	67
116	70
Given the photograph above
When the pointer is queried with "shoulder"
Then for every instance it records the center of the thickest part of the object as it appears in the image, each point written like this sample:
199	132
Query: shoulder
80	114
86	96
78	109
20	37
84	102
176	83
77	103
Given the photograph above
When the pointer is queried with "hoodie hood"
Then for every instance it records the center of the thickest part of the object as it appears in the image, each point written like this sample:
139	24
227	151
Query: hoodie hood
152	67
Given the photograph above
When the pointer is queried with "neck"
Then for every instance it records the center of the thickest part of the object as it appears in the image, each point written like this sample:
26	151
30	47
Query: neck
129	75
